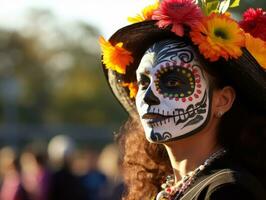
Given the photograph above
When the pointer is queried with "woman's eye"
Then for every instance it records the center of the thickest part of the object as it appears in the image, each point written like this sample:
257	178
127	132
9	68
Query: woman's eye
143	84
173	83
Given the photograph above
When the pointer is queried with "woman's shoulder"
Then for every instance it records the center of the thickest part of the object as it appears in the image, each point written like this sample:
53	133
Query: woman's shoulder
226	184
228	191
233	184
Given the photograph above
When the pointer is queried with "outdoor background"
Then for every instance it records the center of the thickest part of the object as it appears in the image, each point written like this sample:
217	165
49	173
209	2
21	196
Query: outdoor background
51	81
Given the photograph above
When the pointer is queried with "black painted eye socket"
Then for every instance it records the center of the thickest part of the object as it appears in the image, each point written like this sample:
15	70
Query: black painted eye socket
143	82
175	82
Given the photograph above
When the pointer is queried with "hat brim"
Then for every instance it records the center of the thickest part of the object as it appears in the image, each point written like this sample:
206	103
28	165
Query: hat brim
136	38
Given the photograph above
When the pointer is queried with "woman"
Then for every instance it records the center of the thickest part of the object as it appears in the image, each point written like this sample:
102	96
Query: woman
196	88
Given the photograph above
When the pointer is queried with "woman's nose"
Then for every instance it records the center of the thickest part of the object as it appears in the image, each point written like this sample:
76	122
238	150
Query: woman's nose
150	98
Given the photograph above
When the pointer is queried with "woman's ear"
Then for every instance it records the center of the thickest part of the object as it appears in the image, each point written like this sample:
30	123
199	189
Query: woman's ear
223	100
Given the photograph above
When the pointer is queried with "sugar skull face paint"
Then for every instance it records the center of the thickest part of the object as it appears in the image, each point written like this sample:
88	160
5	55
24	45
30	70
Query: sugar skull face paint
173	99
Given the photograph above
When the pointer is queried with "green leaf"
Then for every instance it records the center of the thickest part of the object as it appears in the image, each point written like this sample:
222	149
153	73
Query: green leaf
211	1
234	3
212	7
208	6
202	5
221	6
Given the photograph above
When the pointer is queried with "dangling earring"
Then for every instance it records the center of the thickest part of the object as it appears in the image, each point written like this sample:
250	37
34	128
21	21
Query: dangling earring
219	114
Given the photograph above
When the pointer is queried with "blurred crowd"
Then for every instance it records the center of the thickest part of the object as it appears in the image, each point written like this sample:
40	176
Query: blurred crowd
60	171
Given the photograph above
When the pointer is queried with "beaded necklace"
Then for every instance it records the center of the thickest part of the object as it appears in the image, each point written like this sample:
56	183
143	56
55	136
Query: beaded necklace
171	191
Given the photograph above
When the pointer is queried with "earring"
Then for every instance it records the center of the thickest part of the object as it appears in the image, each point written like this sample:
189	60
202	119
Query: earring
219	114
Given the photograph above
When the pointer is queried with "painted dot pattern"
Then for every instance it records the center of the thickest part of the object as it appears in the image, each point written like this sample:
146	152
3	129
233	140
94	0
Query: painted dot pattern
190	87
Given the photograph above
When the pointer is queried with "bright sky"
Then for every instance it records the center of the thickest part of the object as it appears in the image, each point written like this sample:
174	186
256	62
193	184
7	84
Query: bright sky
107	15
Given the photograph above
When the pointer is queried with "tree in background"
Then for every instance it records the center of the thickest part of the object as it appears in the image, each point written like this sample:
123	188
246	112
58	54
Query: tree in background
56	68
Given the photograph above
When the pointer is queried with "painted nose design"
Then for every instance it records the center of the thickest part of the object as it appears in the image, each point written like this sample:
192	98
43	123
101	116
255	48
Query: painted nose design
150	98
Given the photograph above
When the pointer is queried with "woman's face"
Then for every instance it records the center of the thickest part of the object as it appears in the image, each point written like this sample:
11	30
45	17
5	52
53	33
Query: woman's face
173	99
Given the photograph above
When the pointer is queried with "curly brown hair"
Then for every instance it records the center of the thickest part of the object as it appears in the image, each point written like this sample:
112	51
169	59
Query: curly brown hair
144	164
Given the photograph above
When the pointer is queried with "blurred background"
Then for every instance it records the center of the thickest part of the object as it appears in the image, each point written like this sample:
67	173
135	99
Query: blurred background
57	115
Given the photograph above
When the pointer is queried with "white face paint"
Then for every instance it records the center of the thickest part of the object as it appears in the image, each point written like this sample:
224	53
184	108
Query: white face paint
173	97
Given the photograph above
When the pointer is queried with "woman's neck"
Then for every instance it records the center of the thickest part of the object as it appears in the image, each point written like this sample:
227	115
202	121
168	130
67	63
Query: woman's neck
189	153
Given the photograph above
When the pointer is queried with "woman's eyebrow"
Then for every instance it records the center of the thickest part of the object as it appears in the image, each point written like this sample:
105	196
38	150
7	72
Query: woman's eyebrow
143	75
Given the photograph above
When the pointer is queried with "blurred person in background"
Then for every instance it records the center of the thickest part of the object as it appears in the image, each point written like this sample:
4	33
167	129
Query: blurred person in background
65	184
60	150
109	164
84	166
35	175
10	188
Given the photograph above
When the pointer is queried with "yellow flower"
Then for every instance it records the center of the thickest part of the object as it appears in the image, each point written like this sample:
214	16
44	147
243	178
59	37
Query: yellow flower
257	48
133	89
219	36
146	13
115	57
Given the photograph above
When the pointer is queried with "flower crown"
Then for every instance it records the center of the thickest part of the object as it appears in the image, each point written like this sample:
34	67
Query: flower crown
212	29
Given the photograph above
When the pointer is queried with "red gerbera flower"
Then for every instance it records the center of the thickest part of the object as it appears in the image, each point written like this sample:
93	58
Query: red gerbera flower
254	22
178	13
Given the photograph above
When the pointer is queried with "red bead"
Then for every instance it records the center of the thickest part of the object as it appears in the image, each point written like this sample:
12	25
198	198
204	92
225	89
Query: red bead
197	76
198	85
199	91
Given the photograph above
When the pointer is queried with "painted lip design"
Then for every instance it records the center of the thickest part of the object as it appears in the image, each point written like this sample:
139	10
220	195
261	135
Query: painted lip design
179	115
152	118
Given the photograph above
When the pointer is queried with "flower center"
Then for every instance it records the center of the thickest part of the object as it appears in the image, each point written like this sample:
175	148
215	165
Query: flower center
220	33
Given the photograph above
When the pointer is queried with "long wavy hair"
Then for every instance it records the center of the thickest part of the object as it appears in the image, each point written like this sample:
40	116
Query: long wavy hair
242	130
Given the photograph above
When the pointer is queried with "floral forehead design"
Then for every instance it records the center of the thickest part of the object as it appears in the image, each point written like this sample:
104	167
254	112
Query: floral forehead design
209	26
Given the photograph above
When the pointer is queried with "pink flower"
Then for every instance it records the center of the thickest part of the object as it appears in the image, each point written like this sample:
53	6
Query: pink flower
178	13
254	22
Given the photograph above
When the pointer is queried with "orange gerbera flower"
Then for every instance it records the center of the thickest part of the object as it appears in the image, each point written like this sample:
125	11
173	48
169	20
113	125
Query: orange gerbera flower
219	36
115	57
146	13
133	89
257	48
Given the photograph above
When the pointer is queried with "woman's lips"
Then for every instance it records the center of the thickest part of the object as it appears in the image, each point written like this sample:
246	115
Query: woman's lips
153	117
